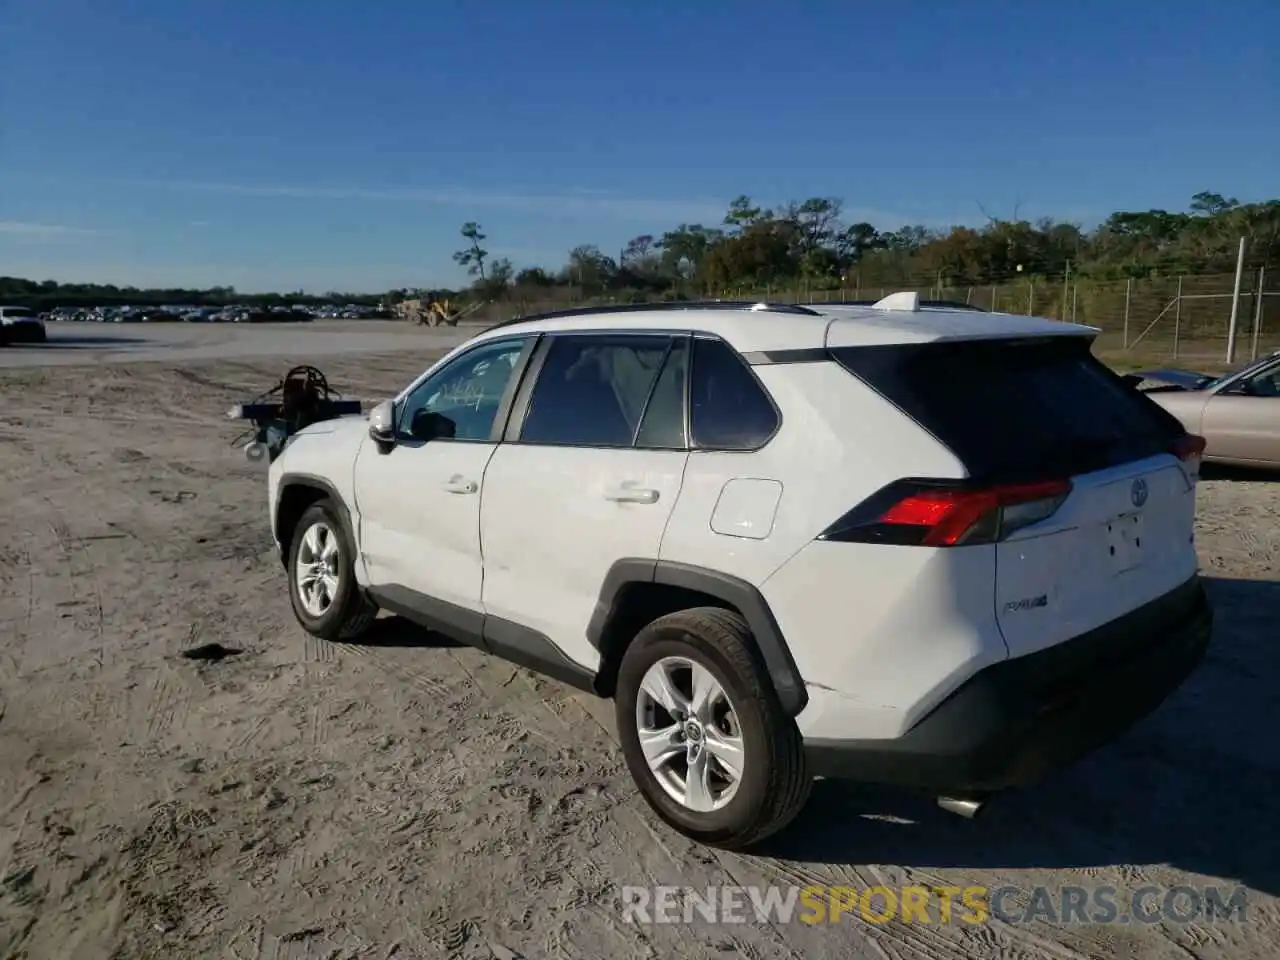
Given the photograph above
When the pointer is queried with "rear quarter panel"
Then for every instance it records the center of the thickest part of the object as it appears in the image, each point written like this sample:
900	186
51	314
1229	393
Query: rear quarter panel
838	442
860	620
881	634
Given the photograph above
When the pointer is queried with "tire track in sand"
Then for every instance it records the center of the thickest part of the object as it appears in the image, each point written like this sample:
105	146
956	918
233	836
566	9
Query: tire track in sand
86	603
158	702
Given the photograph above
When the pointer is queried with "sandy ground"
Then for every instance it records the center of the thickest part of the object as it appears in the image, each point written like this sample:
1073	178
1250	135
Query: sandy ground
405	798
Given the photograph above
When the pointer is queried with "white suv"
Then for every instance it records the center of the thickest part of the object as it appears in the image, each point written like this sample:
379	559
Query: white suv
934	547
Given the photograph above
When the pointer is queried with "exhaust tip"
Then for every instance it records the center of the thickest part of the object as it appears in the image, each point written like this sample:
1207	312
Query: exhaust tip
965	807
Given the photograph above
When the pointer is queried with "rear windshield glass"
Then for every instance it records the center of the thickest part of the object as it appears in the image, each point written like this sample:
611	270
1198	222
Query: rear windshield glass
1017	408
17	312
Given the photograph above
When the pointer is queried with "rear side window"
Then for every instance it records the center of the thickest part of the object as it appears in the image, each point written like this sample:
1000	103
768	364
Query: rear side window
1016	408
728	409
592	390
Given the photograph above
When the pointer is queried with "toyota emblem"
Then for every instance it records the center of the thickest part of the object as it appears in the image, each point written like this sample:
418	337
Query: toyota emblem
1138	492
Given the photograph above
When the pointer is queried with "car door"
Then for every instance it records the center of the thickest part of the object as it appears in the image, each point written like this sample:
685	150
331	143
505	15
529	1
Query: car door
1241	422
589	472
418	499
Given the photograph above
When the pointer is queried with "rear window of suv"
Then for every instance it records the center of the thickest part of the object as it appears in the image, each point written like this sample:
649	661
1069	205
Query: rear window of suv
1017	409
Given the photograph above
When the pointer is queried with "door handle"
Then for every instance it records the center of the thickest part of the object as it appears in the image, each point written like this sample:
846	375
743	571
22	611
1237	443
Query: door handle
460	484
629	494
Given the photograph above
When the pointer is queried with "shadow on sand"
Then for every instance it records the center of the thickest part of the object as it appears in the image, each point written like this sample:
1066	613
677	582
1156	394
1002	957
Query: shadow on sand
1194	785
399	632
1215	471
73	341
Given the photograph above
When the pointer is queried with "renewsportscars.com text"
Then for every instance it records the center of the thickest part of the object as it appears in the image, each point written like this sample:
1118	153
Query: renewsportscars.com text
933	904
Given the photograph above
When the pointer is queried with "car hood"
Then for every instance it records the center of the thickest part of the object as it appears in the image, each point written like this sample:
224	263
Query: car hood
351	425
1184	379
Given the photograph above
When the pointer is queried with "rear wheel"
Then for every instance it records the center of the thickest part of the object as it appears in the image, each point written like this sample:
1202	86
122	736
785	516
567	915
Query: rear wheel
703	733
326	599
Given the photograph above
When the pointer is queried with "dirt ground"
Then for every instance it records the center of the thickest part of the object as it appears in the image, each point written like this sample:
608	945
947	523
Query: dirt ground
406	798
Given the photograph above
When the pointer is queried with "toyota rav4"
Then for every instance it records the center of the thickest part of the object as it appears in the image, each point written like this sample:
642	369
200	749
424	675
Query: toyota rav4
909	544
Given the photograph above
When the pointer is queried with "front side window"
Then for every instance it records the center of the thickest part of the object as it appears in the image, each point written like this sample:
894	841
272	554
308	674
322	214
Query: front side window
1265	383
593	389
467	393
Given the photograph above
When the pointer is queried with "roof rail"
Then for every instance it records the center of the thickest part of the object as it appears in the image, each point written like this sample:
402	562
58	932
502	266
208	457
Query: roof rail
936	304
673	305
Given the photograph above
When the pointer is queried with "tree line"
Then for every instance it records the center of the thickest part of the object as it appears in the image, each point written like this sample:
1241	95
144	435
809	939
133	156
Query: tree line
809	243
48	294
806	243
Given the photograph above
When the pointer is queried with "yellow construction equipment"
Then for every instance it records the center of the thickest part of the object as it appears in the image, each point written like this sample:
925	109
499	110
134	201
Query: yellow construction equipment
431	312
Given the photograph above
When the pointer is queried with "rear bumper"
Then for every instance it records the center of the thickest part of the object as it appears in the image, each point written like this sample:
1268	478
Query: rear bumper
1015	721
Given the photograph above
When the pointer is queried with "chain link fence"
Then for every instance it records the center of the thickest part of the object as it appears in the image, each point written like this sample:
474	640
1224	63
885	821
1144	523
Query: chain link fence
1184	318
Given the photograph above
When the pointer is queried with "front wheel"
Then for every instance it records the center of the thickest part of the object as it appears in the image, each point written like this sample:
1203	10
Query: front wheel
702	731
326	599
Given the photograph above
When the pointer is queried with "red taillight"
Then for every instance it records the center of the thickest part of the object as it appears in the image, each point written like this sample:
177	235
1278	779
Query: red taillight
1189	448
935	516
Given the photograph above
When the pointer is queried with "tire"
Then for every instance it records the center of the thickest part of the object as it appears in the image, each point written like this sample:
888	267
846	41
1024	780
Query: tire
348	614
773	786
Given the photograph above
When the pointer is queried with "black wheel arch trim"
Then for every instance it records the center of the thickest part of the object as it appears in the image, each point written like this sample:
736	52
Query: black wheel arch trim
734	591
317	483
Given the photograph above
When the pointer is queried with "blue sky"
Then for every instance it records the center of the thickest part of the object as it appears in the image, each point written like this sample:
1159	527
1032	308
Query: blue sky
330	144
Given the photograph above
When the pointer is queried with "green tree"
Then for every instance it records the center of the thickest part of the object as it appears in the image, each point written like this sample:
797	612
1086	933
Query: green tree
1208	204
473	256
743	213
498	283
534	277
684	249
590	269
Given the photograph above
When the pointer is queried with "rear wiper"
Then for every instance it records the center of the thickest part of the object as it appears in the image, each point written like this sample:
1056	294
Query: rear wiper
1087	445
1084	453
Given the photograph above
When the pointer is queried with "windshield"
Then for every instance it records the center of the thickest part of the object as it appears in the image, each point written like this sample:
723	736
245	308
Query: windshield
17	312
1255	365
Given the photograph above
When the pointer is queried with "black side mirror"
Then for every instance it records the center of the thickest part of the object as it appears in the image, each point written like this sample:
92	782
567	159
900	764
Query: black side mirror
432	426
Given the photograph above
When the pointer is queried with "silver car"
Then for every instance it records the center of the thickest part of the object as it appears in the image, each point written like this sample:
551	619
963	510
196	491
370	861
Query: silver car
1238	414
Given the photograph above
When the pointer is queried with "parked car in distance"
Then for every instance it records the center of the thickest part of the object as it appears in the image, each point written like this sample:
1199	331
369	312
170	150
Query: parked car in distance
934	547
22	325
1238	414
